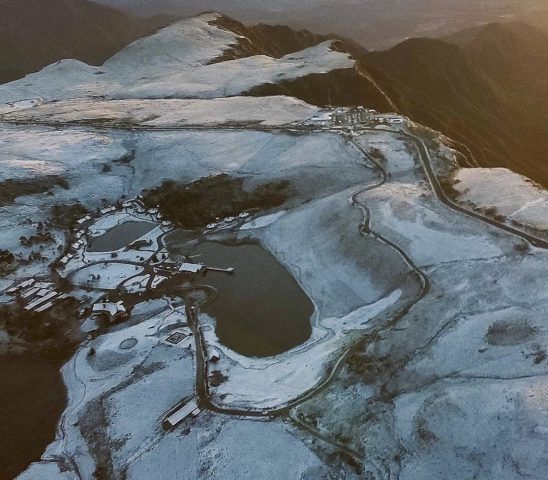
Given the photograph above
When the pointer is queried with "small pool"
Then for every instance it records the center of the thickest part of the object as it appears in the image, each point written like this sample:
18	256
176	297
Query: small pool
120	236
261	310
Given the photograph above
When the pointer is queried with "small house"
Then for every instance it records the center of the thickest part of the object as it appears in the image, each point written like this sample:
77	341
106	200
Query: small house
114	311
214	356
192	268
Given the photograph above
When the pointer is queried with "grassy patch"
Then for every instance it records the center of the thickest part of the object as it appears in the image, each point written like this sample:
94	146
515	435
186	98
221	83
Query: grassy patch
509	333
448	186
46	331
377	154
201	202
13	188
7	262
65	216
39	239
217	378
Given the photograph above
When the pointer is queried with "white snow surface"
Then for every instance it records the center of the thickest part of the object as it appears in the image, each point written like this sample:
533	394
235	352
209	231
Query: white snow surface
512	195
271	111
480	283
173	63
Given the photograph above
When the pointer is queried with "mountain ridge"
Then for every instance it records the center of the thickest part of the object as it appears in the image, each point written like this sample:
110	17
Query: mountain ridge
34	33
477	90
461	86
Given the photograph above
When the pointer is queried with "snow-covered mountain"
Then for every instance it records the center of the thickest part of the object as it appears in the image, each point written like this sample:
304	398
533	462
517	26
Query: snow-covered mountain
199	58
465	91
177	62
36	33
417	286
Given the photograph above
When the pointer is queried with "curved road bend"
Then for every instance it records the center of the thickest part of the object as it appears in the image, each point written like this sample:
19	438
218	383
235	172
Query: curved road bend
438	190
202	387
421	147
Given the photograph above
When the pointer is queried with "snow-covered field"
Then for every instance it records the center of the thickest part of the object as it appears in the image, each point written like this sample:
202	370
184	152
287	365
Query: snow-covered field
189	155
457	387
511	195
268	111
356	283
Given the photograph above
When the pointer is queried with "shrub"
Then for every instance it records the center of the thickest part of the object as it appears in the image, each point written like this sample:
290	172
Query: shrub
196	204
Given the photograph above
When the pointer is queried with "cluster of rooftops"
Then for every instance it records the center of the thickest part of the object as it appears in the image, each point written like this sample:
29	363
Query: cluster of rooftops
37	296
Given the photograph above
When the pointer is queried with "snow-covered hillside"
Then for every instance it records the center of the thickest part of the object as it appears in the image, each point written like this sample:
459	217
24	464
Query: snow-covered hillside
505	193
176	62
268	111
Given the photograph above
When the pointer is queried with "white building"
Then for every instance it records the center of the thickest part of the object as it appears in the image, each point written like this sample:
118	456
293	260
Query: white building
21	286
114	311
192	268
191	408
40	300
83	220
104	211
214	356
29	293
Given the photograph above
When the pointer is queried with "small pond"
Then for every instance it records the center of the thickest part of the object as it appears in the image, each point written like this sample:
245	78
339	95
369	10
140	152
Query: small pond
120	236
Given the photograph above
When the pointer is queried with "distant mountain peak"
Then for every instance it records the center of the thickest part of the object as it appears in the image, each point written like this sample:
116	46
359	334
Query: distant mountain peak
36	33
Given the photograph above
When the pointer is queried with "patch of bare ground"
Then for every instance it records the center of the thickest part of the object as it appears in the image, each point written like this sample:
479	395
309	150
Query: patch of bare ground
509	333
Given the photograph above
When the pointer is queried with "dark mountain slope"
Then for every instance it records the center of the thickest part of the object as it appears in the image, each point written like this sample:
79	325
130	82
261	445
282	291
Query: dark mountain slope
274	41
513	54
341	87
468	93
277	40
36	33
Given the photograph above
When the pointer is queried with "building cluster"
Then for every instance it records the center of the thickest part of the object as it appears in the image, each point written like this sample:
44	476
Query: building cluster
135	204
41	296
37	296
74	247
389	119
353	116
83	220
192	268
227	222
113	311
341	117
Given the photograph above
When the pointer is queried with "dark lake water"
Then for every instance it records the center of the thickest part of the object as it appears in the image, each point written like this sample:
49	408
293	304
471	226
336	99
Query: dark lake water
120	236
32	399
260	310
